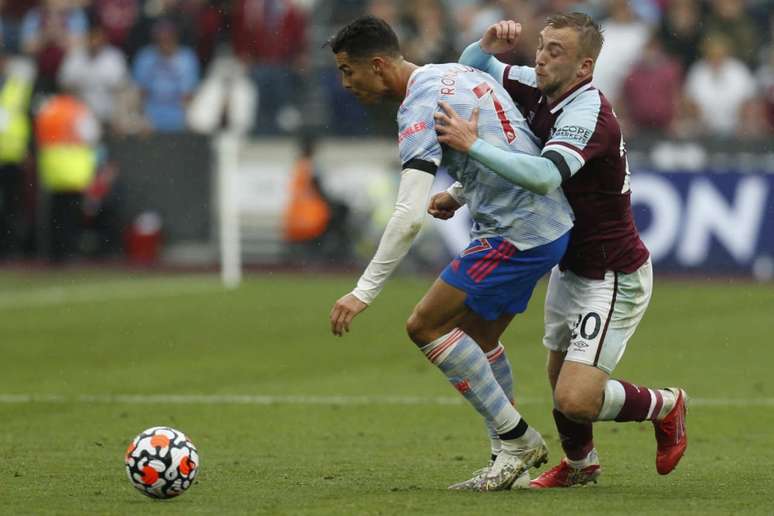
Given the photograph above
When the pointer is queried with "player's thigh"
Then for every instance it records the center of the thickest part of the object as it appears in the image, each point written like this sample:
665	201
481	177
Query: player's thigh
554	364
440	310
557	317
604	314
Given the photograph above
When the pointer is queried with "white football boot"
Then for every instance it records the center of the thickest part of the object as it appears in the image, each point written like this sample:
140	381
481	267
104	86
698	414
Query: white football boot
473	483
513	461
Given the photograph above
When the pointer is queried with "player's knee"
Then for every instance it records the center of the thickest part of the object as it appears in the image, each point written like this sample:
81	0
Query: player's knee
417	329
576	405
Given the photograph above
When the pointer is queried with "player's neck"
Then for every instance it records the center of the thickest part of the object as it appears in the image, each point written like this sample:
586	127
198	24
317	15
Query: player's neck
563	91
399	83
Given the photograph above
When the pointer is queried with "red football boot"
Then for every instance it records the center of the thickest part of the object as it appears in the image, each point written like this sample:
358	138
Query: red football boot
565	475
671	436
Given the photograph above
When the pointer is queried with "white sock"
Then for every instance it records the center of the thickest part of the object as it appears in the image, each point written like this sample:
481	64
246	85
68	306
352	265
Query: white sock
669	398
588	460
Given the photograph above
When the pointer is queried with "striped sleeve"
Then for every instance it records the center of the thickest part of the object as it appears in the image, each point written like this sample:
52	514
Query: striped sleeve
521	83
578	134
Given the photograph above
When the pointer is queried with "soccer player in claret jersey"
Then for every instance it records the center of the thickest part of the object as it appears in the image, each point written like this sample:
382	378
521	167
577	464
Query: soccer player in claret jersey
598	294
518	236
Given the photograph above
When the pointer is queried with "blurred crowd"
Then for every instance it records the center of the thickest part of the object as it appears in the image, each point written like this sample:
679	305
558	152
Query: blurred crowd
75	73
681	68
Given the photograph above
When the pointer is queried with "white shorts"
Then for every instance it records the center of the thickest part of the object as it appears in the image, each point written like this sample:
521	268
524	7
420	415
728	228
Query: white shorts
591	319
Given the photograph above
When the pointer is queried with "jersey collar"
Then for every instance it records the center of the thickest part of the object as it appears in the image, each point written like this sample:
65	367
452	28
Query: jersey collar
569	95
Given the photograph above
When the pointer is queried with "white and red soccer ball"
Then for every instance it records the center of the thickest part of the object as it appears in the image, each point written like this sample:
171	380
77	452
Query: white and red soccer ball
161	462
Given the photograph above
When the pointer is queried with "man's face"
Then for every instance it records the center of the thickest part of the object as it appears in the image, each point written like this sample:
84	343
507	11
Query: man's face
556	60
361	78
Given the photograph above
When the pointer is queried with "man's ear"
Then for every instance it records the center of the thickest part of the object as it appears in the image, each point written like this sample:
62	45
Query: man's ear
377	65
586	68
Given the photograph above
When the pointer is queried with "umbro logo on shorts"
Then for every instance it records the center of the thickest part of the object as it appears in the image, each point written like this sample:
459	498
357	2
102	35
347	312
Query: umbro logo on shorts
580	346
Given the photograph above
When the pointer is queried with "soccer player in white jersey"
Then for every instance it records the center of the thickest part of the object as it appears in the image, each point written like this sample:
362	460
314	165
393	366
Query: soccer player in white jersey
518	236
598	294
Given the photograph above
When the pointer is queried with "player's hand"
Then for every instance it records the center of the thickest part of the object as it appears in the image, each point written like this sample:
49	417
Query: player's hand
501	37
453	130
342	313
442	206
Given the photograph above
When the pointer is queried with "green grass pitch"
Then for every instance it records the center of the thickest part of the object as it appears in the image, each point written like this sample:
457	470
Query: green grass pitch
358	425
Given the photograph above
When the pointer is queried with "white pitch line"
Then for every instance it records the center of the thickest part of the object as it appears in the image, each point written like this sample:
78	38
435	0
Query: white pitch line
249	399
107	291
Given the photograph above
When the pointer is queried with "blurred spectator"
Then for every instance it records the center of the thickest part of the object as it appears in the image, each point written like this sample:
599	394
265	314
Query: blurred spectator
752	120
680	30
128	111
316	226
625	37
95	73
117	17
729	18
389	11
718	86
307	214
430	35
651	92
226	99
67	133
210	26
648	11
531	24
167	75
473	19
765	77
270	37
15	93
47	33
154	12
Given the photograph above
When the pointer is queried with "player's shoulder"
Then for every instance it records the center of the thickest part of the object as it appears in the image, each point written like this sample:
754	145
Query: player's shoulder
422	88
587	106
424	77
524	75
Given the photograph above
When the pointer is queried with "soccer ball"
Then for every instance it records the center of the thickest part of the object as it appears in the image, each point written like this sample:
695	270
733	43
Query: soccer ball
161	462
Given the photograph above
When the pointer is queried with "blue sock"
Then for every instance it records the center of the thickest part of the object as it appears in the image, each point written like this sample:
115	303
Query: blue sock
460	358
501	368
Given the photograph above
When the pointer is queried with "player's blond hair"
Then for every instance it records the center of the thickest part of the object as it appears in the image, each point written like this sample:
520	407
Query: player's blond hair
590	36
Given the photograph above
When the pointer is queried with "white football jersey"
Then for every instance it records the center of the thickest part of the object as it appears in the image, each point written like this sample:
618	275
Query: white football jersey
498	207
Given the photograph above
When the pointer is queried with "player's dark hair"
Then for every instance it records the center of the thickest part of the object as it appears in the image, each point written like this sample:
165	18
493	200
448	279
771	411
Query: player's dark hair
590	36
365	37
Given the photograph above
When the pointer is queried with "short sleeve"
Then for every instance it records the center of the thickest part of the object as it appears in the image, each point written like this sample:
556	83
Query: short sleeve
417	142
521	84
577	132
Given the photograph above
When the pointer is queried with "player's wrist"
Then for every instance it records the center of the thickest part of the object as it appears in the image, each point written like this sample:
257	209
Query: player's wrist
363	296
484	47
477	148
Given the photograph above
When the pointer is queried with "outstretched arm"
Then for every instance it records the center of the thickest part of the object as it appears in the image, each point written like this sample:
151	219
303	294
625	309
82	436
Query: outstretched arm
474	56
405	223
539	174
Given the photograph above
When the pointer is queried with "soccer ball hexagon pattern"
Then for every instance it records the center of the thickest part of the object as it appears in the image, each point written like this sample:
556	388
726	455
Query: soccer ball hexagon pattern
162	462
